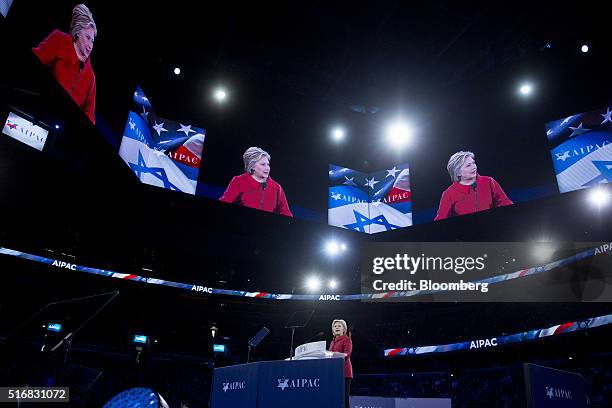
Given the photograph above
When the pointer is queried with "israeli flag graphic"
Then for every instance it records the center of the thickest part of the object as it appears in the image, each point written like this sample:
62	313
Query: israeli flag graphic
161	152
581	149
369	203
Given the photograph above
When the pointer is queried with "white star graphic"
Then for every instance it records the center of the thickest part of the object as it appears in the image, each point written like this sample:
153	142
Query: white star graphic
576	131
349	181
159	128
392	172
336	196
377	203
370	183
607	116
185	129
282	384
563	156
132	125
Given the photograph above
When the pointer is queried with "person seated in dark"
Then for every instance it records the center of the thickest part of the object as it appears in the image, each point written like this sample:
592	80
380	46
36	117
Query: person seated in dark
68	57
470	192
255	188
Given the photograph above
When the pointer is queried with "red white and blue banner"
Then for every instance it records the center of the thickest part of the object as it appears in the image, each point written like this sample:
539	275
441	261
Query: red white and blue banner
581	149
494	342
369	203
159	151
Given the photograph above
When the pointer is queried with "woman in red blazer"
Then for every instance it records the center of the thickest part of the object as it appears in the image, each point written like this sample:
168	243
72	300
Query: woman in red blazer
342	343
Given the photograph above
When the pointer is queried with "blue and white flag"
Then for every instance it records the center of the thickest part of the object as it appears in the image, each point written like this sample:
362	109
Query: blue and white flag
369	203
159	151
581	149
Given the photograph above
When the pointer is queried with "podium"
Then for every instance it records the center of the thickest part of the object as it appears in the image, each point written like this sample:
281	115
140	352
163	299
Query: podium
303	383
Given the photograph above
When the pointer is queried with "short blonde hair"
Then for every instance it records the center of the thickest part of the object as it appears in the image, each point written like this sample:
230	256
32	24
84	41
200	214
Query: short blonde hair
343	323
81	19
252	155
455	162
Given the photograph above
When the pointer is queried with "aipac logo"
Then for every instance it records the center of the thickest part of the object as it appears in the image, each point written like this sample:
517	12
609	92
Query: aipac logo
558	393
298	383
25	131
234	385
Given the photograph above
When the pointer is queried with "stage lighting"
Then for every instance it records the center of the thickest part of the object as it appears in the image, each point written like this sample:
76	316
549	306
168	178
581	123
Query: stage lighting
584	48
526	89
542	252
313	283
399	134
599	197
343	247
220	95
333	284
140	339
332	247
177	71
338	134
57	127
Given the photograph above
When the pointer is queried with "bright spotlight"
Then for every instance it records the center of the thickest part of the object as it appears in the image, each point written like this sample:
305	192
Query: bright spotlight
599	197
338	134
584	48
177	71
526	89
542	252
57	127
332	247
399	134
313	283
333	284
220	95
343	247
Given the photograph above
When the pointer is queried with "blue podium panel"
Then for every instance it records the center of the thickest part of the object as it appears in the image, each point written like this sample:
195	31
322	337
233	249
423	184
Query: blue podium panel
301	384
235	386
551	388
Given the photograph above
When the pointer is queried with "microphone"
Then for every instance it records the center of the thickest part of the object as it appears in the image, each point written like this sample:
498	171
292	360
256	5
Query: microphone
264	184
315	336
474	186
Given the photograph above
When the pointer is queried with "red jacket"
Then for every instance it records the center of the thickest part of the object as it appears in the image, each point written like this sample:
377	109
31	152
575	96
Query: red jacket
344	344
57	52
459	199
247	191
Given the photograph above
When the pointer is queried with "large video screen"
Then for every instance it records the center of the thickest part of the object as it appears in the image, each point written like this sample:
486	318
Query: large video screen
25	131
370	203
159	151
581	149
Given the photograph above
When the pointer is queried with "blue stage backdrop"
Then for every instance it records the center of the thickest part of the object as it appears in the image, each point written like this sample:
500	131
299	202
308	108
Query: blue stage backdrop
581	149
370	203
159	151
